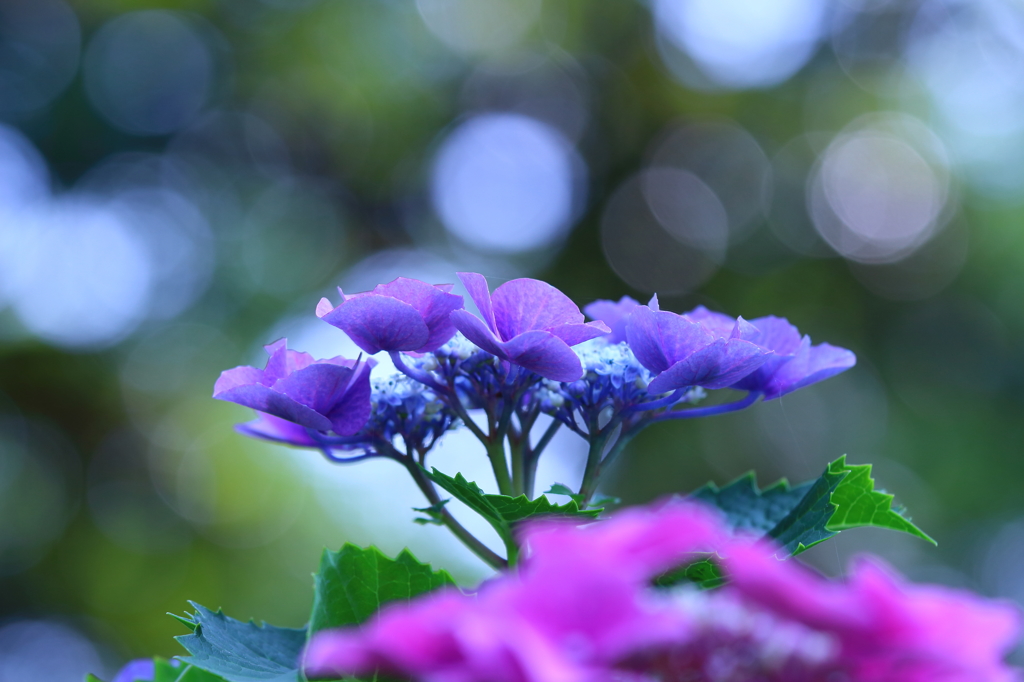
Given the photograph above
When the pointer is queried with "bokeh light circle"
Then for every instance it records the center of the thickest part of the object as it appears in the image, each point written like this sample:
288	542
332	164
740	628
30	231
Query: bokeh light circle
83	277
639	248
150	72
738	43
880	189
507	183
40	42
479	26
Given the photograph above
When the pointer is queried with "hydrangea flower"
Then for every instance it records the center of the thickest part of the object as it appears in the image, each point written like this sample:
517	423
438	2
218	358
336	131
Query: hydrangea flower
407	409
795	364
139	670
582	608
613	381
528	323
684	352
613	314
325	395
402	315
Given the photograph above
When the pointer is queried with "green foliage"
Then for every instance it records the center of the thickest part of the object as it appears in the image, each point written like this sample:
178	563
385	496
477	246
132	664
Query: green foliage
799	517
165	672
596	503
354	583
859	504
433	514
704	574
92	678
242	652
504	512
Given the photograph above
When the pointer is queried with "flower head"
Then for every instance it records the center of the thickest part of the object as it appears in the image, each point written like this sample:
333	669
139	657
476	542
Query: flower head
796	363
583	609
528	323
691	352
324	395
613	314
402	315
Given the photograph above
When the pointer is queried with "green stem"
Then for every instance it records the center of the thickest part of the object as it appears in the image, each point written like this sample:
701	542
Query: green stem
467	538
532	457
590	485
598	441
496	454
517	451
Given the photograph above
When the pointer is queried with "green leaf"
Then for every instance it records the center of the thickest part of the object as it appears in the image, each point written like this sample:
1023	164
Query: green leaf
750	509
704	573
504	512
596	503
242	652
799	517
165	672
92	678
859	504
433	514
354	583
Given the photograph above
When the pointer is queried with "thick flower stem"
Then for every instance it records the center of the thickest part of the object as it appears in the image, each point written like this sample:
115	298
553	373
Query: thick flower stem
496	454
467	538
598	441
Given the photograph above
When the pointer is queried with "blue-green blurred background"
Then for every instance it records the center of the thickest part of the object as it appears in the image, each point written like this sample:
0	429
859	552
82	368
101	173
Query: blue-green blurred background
181	181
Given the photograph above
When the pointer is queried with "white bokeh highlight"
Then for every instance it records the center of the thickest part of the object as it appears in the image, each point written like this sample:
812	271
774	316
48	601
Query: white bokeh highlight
507	183
737	44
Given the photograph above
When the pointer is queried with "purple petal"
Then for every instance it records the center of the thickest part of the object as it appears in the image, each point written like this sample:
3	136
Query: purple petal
433	303
266	399
283	362
319	387
545	354
352	411
573	334
718	324
720	364
378	323
139	670
777	334
613	314
238	376
474	329
523	305
275	429
809	365
476	285
661	339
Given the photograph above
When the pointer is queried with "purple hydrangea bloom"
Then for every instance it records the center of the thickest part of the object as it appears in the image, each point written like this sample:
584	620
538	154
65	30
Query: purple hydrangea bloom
277	430
139	670
582	609
795	364
613	314
403	315
528	323
684	351
317	394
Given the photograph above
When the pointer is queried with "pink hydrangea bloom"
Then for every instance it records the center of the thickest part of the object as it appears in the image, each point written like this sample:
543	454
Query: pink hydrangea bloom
582	609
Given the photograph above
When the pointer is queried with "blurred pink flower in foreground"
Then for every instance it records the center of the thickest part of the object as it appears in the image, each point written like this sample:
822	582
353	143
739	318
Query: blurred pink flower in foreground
583	609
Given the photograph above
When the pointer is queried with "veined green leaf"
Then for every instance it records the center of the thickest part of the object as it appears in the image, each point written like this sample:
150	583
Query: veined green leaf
242	652
354	583
503	511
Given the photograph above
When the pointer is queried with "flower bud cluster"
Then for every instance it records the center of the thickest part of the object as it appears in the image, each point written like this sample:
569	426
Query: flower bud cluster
614	381
406	409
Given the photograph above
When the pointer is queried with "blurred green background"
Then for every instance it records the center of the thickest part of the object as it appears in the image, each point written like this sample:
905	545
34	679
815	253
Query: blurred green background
180	182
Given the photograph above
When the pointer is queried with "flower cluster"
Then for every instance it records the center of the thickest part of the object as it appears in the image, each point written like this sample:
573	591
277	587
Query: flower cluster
528	353
774	621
